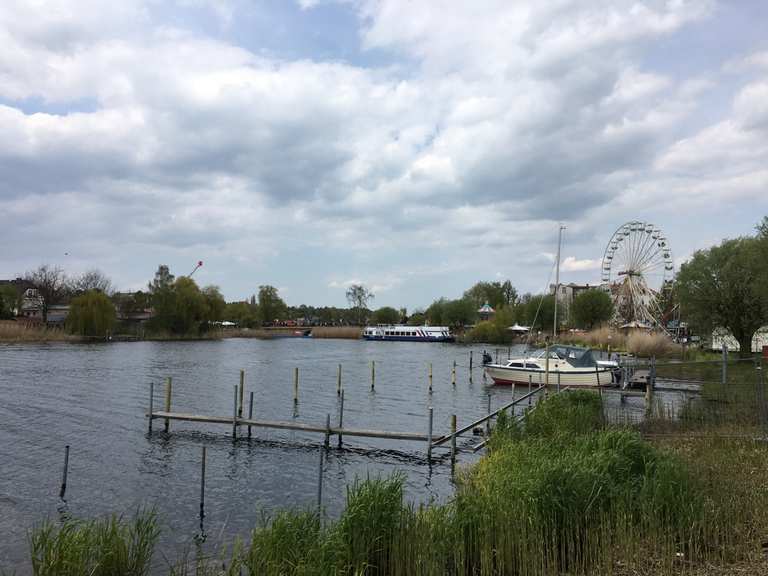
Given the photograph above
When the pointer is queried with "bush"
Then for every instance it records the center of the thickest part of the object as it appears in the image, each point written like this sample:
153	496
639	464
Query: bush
649	344
91	314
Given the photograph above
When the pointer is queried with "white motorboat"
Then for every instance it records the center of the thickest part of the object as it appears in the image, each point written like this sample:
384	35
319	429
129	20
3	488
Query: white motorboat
566	366
402	333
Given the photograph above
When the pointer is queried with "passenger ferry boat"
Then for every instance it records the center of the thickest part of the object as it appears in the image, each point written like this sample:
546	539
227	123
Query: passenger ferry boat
568	366
402	333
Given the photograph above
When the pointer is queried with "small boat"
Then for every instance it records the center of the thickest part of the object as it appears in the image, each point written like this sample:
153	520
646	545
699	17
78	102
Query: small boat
402	333
567	366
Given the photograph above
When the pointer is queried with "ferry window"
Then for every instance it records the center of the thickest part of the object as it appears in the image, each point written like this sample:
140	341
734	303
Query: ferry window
516	365
531	366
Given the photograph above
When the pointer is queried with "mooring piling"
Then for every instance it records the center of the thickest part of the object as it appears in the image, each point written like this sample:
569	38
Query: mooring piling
338	382
558	382
234	413
320	483
202	487
64	473
530	385
453	374
724	375
430	377
429	437
327	441
250	411
488	422
470	364
373	374
151	404
168	386
453	441
242	391
341	417
296	385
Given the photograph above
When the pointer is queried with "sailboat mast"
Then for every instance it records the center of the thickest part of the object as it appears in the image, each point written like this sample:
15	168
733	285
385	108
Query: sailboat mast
557	278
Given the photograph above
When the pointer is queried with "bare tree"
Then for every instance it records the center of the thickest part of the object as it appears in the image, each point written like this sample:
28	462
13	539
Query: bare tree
358	297
92	280
50	283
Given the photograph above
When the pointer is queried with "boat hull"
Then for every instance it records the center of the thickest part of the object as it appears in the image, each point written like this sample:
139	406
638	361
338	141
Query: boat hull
577	377
410	338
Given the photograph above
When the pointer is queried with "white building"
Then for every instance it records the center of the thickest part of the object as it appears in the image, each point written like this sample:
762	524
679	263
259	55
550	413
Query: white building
721	336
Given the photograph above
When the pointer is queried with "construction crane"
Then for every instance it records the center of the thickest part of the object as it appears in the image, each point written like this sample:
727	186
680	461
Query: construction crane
199	264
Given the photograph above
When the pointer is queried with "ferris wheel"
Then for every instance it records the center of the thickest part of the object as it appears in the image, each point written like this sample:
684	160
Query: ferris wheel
637	266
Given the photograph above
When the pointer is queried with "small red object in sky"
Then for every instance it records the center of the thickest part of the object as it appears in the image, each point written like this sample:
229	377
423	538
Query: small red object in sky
200	263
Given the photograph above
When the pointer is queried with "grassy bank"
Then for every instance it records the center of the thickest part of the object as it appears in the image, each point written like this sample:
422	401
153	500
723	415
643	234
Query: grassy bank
560	494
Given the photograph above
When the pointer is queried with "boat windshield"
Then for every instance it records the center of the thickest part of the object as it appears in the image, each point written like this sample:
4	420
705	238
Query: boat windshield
579	357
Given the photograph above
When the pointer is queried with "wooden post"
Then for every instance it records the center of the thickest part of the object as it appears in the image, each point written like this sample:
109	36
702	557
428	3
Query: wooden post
341	417
558	381
488	422
453	440
429	437
168	386
724	376
430	377
250	411
320	484
202	488
64	474
597	376
530	386
296	385
338	382
373	374
470	363
327	431
151	404
234	413
649	385
509	352
497	355
453	374
242	391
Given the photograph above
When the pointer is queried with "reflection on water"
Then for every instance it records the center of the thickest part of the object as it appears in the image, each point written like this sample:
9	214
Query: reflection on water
94	397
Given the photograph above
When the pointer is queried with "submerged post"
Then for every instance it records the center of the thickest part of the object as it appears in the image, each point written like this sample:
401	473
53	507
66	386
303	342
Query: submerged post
488	422
250	411
429	437
64	474
168	386
296	385
202	488
242	391
234	413
320	484
373	374
341	417
453	440
151	404
338	382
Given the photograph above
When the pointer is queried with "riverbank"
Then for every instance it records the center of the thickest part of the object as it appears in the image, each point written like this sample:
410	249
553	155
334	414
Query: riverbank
563	493
11	331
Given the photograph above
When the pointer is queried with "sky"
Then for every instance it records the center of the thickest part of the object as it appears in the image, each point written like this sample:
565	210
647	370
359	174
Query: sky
415	147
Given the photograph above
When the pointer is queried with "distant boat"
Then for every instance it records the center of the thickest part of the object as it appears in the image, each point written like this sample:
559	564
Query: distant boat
402	333
567	366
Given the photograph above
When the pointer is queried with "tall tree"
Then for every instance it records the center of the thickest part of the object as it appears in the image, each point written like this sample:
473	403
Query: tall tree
271	306
91	314
9	298
494	293
51	285
215	303
92	280
358	297
386	315
163	298
510	293
591	308
721	287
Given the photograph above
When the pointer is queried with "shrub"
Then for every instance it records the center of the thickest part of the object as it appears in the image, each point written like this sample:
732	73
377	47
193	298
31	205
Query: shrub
648	344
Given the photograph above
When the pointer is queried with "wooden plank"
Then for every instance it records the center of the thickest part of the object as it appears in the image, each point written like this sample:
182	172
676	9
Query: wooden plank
381	434
193	417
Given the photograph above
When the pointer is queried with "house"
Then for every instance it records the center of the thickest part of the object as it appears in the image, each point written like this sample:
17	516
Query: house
486	311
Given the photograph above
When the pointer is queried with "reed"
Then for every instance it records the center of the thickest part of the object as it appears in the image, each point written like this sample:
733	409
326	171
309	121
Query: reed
11	331
651	344
346	332
110	546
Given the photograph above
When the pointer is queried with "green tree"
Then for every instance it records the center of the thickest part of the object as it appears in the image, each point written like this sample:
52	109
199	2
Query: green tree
591	308
495	293
214	303
9	301
271	306
436	312
358	297
722	287
386	315
243	313
539	312
162	299
91	314
460	312
418	318
190	309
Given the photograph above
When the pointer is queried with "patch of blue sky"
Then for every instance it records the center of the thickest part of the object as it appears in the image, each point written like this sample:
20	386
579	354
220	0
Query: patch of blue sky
37	104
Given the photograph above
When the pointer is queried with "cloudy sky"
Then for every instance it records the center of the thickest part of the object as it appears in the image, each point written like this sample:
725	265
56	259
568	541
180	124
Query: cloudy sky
413	146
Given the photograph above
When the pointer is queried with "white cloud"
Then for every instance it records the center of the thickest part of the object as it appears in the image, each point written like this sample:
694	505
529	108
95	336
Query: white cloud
573	264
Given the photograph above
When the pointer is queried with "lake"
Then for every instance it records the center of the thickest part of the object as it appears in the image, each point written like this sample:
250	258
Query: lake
94	397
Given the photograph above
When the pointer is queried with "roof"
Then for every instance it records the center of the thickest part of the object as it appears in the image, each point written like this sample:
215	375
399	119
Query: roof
486	309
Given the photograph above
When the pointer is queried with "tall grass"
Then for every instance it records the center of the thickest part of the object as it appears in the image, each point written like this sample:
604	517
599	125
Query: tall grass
104	547
651	344
12	331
